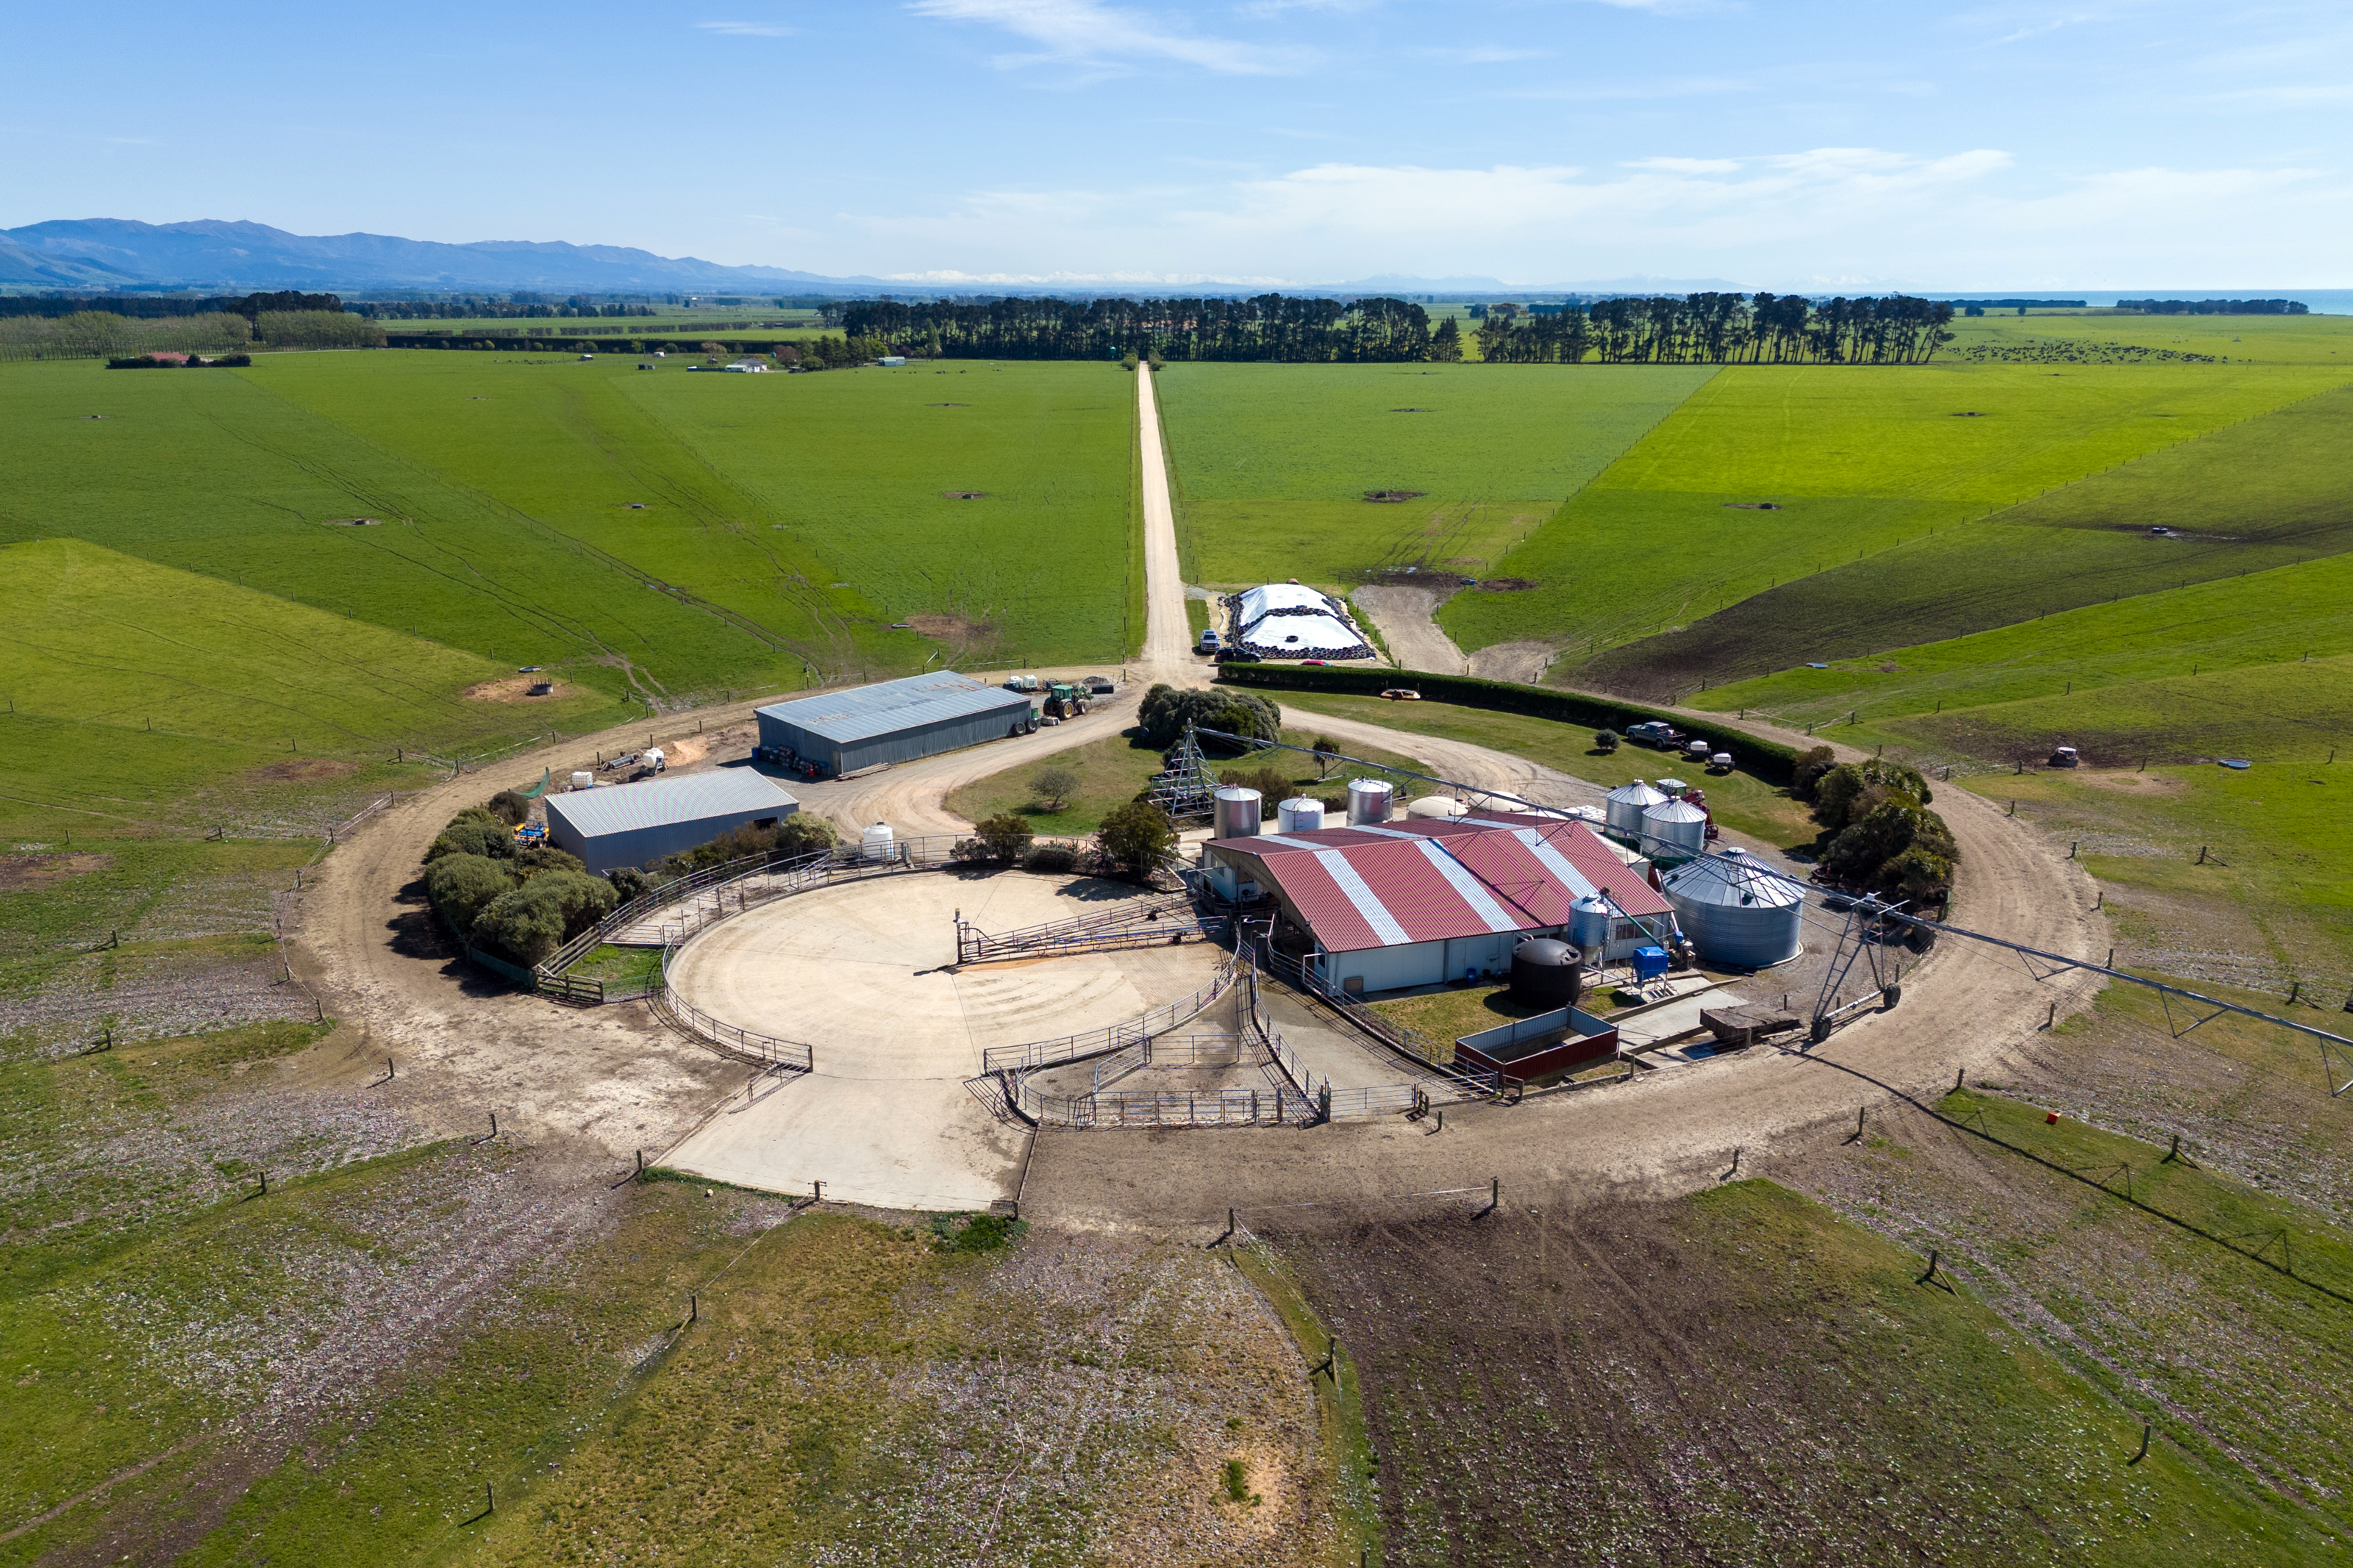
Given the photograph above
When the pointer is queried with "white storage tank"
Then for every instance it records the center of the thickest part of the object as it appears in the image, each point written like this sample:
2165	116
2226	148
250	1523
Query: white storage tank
1300	813
1369	799
1234	811
1627	803
1438	807
1593	817
874	843
1735	911
1675	829
582	779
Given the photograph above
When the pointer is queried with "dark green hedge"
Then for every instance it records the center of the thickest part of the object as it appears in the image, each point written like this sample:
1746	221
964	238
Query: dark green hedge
1768	760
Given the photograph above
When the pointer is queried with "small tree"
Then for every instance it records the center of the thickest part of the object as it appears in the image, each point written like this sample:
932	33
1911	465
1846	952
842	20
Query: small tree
1135	839
1004	837
1605	740
801	834
1327	755
1055	786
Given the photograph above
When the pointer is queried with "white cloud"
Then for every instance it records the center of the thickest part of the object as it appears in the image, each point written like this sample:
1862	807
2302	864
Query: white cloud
747	30
1852	219
1684	166
1085	32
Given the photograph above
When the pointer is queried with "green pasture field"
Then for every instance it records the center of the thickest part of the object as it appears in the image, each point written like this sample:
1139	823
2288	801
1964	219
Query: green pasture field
2242	340
1857	461
1738	800
762	493
2268	618
1270	463
90	636
1113	772
2297	712
228	475
2277	885
2244	499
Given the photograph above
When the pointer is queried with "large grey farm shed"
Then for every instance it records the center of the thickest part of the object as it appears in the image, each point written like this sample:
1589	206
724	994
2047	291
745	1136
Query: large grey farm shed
636	824
895	721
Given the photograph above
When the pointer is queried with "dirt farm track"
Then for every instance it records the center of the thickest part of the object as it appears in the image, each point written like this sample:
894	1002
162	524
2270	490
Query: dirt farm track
614	1076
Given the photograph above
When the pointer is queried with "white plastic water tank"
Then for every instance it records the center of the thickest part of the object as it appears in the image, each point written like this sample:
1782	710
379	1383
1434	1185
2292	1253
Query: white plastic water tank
1439	808
1234	811
1675	829
1369	799
1627	803
582	780
1721	762
1301	814
874	843
1591	815
653	759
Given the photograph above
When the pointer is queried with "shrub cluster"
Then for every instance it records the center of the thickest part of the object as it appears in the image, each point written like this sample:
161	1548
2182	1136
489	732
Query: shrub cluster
1135	839
522	900
1878	833
1165	712
175	360
800	833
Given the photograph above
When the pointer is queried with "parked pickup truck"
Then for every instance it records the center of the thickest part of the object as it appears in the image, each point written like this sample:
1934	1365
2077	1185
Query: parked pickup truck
1657	732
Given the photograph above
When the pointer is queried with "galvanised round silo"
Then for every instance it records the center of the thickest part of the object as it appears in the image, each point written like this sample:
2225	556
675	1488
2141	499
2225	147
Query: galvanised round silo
1735	911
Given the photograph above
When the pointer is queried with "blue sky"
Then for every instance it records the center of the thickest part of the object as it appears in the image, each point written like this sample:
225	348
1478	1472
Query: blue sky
1775	146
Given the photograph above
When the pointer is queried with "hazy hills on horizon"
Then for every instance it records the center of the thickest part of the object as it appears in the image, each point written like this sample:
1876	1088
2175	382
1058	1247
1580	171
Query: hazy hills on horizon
231	256
213	255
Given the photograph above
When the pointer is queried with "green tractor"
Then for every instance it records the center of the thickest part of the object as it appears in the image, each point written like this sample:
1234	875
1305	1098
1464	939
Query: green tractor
1064	700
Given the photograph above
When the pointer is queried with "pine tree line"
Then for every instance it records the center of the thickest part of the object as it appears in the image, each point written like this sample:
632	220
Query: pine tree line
1707	329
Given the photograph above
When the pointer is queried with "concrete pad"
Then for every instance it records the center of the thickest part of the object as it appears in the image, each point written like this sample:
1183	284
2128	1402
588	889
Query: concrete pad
863	974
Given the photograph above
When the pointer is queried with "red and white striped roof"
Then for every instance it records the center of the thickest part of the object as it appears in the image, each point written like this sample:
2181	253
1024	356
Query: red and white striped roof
1427	880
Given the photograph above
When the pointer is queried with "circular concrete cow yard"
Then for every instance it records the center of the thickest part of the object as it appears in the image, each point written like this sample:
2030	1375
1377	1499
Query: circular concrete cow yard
864	973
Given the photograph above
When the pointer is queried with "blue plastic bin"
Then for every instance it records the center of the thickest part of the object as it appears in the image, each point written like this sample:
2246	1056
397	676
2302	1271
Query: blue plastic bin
1650	963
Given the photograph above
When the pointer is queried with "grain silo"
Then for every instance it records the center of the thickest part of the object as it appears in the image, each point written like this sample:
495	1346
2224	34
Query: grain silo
1676	830
1627	802
1735	910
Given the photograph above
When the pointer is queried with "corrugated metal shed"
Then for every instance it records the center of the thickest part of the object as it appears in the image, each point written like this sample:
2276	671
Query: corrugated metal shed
891	722
634	823
1435	896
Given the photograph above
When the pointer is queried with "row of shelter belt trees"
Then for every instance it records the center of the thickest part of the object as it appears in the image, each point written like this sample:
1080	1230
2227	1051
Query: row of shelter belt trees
1722	328
1693	329
102	334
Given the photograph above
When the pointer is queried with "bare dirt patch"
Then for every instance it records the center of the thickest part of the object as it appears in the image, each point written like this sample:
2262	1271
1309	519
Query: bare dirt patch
1504	585
1752	506
952	628
21	871
1391	498
964	495
1524	662
517	689
302	770
2133	783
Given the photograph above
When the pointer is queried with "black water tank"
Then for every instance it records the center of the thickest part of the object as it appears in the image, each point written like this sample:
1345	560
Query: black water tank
1546	973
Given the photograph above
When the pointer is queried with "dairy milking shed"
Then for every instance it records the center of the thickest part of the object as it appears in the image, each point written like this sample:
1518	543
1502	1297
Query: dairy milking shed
636	824
840	732
1414	902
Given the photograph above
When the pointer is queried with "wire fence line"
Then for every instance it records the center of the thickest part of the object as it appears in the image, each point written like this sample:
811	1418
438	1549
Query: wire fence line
1023	1059
749	1045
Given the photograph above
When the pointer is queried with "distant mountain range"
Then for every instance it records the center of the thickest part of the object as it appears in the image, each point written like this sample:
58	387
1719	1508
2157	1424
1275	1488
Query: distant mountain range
119	253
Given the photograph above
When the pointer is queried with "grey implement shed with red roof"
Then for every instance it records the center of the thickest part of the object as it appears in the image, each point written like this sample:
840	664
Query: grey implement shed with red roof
1421	901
